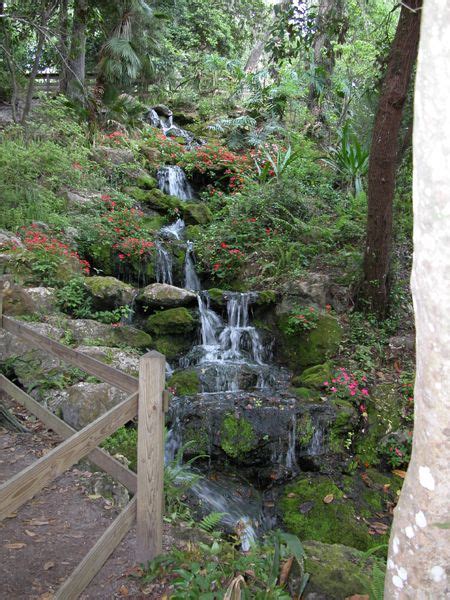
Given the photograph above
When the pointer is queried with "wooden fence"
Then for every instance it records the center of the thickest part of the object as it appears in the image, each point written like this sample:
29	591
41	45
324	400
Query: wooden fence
147	399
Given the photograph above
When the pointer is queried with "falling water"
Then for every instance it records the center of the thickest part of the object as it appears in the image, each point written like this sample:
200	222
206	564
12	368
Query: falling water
172	180
173	231
163	265
291	461
210	321
191	280
316	445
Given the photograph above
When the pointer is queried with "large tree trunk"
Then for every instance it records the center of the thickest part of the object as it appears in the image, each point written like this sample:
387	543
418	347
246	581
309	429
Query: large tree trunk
419	551
77	54
383	158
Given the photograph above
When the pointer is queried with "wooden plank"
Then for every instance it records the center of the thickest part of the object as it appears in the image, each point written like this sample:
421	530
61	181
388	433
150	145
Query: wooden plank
98	555
23	486
99	457
150	459
87	363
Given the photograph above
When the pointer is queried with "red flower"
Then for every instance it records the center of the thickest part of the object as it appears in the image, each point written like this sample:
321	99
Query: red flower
223	245
216	266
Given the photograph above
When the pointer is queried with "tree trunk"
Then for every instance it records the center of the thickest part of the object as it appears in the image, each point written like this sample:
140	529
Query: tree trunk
77	54
419	551
63	46
383	158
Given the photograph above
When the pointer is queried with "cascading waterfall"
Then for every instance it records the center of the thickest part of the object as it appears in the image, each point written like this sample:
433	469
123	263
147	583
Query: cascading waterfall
174	231
191	280
172	180
163	265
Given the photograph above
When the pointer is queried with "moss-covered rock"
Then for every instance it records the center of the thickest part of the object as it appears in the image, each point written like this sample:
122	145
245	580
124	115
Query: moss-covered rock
153	224
311	347
193	232
314	377
237	437
305	430
155	199
146	182
304	393
126	335
163	294
305	513
173	320
108	293
195	213
217	296
196	438
173	346
185	383
384	416
346	421
266	298
337	572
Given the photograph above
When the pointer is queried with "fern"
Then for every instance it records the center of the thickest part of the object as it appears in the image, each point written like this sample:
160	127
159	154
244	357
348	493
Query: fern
209	523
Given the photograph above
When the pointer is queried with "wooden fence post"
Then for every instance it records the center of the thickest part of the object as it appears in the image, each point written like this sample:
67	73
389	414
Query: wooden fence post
150	459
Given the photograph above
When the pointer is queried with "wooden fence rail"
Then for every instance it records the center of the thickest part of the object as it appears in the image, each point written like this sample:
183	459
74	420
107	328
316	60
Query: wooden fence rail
146	400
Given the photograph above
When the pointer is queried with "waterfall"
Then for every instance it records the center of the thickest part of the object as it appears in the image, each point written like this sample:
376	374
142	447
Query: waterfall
210	321
173	231
163	265
172	180
291	461
191	280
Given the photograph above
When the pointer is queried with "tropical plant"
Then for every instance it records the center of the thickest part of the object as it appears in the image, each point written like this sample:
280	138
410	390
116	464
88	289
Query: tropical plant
273	161
350	159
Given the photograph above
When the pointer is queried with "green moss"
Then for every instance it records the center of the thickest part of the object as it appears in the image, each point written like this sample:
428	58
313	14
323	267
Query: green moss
266	297
130	336
153	223
185	383
305	393
217	296
195	213
146	182
312	347
196	438
305	430
336	571
193	232
332	523
172	346
314	377
172	320
155	199
237	437
124	442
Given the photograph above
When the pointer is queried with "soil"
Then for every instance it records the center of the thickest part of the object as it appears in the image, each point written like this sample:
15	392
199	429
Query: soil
45	540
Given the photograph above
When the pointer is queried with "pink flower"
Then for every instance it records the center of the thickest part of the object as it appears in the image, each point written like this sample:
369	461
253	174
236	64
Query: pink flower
325	383
333	389
364	392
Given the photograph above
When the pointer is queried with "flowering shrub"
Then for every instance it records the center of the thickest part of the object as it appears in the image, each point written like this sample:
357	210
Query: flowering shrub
226	261
134	248
301	319
397	453
346	386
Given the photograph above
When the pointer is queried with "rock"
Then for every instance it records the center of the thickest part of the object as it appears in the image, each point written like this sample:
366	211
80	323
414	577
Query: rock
314	377
23	301
100	334
108	293
116	156
311	347
146	182
79	198
401	344
266	298
162	110
217	297
9	240
195	213
317	289
84	402
184	383
124	361
173	346
104	485
173	320
335	571
163	294
155	199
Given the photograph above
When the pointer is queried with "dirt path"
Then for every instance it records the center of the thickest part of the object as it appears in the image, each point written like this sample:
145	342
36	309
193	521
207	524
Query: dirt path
42	544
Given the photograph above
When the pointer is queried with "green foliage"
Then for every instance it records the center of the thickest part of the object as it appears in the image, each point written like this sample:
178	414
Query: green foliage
301	319
350	160
211	521
124	442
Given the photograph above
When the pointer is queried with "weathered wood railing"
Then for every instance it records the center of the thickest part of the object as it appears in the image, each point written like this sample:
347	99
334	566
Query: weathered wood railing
146	400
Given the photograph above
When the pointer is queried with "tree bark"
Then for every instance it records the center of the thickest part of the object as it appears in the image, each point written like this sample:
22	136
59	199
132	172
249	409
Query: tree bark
383	158
76	71
63	46
419	551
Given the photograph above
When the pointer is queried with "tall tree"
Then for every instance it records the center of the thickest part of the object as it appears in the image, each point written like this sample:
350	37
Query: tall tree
383	157
76	71
419	551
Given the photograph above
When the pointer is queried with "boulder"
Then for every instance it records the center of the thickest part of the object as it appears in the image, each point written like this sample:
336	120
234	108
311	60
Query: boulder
22	301
84	402
120	359
146	182
9	240
195	213
108	293
173	346
317	289
79	198
312	347
171	321
314	377
162	110
185	383
155	199
116	156
163	294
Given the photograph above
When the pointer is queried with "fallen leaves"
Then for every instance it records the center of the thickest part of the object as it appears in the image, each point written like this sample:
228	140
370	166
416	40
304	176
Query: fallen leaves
49	565
328	499
15	546
285	570
123	591
399	473
30	533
